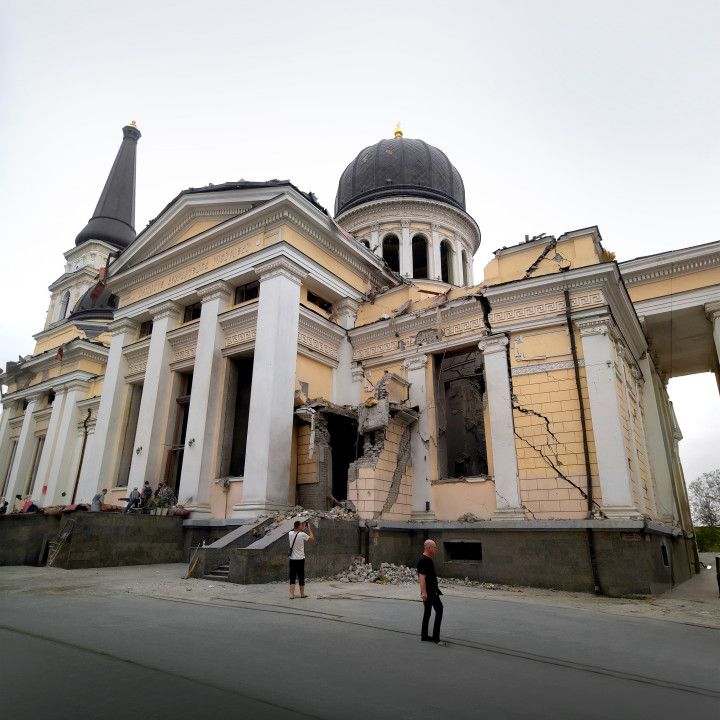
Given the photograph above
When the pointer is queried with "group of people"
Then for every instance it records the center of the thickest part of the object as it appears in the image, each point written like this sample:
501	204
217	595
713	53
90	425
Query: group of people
142	498
429	590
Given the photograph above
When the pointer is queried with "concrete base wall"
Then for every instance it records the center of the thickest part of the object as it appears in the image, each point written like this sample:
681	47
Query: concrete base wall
21	537
630	561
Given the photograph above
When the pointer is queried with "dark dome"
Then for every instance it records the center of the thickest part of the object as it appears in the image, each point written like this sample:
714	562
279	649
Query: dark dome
101	308
400	166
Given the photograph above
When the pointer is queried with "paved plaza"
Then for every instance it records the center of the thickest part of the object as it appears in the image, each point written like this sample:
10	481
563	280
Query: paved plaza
106	643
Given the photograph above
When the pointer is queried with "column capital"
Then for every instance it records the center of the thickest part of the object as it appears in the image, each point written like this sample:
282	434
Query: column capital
405	223
493	344
596	326
375	227
712	310
123	325
165	309
416	362
214	291
357	372
281	267
71	385
347	305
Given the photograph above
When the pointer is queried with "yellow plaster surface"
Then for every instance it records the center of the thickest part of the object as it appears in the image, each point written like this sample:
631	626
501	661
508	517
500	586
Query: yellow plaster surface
317	375
679	284
198	227
452	500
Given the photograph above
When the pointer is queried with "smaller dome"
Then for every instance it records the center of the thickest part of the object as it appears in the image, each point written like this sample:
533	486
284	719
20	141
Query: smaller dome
399	166
101	308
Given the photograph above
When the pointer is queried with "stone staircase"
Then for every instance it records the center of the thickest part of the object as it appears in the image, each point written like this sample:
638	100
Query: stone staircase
218	574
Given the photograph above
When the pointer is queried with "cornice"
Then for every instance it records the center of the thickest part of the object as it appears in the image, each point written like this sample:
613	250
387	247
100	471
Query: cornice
184	335
123	325
675	263
239	318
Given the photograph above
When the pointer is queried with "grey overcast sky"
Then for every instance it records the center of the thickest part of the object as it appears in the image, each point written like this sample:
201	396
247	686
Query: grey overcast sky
559	114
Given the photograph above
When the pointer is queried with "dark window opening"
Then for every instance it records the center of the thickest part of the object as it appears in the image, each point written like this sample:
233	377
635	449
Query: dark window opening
665	557
320	302
192	312
176	453
446	261
247	292
344	449
391	252
237	417
145	329
420	257
465	269
51	397
462	448
129	431
463	551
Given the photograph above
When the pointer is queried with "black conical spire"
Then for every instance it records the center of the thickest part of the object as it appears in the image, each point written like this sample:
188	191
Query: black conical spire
114	218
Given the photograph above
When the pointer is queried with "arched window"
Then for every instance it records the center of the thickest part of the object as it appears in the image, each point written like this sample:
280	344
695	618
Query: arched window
446	263
391	252
465	268
420	257
64	305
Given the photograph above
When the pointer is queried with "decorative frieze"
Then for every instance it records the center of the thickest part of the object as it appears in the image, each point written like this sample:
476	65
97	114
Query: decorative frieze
546	367
549	307
241	337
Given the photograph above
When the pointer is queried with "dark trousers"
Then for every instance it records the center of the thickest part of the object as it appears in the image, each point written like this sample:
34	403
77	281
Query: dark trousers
297	570
432	603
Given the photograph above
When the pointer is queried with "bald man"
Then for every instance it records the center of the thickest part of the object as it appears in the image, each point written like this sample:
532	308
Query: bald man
430	593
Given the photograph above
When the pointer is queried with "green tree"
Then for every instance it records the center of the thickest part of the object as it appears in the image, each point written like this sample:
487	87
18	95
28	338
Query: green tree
704	496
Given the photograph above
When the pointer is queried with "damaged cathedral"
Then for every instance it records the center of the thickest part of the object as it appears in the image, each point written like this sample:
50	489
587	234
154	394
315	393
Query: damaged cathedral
255	353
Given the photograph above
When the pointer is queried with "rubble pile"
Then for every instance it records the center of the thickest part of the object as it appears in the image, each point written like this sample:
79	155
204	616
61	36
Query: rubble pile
387	573
469	518
337	513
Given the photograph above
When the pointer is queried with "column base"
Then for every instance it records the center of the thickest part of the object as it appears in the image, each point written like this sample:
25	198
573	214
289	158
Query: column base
621	512
422	516
199	511
509	514
252	509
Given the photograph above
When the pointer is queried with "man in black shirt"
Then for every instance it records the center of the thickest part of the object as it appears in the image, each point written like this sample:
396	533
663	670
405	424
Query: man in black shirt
430	593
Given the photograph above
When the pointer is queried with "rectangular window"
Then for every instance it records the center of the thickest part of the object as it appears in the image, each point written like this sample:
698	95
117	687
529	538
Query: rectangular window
145	329
192	312
471	551
320	302
245	293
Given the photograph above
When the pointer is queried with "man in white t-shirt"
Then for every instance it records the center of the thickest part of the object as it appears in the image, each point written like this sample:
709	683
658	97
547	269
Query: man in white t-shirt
297	538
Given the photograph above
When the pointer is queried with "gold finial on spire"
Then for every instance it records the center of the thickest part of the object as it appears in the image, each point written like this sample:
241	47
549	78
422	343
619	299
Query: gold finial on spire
132	124
398	131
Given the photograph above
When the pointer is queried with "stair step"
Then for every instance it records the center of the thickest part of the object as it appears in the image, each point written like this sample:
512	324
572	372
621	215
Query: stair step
219	574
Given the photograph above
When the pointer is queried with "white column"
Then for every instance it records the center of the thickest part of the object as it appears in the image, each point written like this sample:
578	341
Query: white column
99	467
435	270
610	448
417	369
266	486
154	404
5	443
458	261
39	488
375	238
199	459
344	392
62	472
406	267
24	452
502	428
712	310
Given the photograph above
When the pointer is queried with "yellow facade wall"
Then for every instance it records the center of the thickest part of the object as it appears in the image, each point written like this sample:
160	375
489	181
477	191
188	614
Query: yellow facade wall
451	501
317	375
198	227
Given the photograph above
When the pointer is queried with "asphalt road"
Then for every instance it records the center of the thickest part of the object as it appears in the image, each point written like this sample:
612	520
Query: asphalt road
103	644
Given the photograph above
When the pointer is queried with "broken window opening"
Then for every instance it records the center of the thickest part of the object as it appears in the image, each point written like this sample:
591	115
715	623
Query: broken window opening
343	450
320	302
391	252
420	256
460	389
463	550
